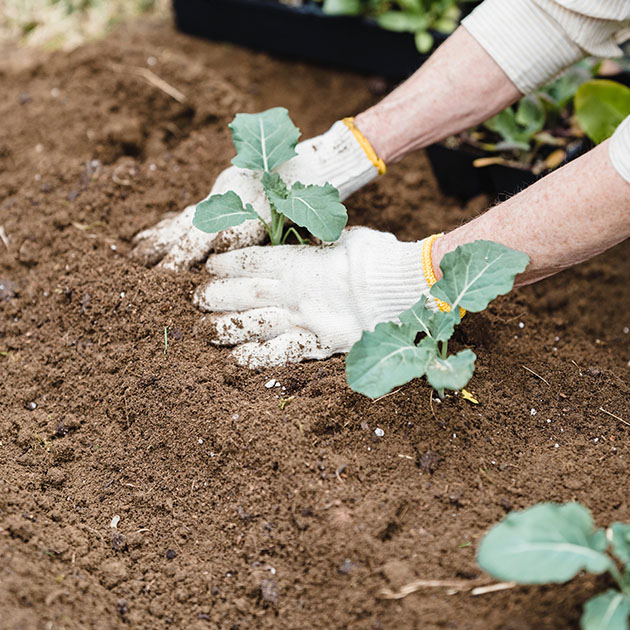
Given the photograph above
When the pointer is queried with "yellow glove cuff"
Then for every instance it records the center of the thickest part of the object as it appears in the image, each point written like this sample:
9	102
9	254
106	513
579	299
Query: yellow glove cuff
429	274
366	146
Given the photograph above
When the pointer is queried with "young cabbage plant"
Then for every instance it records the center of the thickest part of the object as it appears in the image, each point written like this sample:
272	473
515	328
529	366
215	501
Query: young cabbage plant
551	542
263	142
395	353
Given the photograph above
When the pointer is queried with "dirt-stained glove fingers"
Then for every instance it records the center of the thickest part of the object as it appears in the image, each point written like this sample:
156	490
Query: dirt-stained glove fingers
252	262
238	294
151	245
195	245
260	324
292	347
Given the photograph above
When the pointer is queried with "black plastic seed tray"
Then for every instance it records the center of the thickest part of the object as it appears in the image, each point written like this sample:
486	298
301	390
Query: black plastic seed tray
303	32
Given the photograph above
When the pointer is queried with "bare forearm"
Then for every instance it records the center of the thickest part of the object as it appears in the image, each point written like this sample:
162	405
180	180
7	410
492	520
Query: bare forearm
458	87
567	217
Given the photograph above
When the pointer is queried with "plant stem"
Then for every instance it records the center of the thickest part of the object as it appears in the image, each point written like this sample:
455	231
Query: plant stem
266	225
292	230
624	587
277	225
443	349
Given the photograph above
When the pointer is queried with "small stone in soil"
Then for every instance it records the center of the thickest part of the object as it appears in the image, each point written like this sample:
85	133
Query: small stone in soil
268	591
7	289
119	542
379	432
346	566
31	406
270	384
170	554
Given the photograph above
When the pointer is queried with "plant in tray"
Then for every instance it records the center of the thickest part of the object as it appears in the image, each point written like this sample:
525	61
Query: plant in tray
550	542
419	17
395	353
263	142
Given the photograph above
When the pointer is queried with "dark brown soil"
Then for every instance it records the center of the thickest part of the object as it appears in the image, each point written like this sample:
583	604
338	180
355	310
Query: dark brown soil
241	506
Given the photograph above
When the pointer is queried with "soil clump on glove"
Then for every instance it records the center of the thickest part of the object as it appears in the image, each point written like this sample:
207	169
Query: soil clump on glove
148	482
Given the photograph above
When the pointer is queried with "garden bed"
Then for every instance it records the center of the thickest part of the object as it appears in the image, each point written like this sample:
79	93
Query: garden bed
237	510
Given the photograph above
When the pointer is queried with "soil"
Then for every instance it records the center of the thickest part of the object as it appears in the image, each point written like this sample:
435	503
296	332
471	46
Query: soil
151	487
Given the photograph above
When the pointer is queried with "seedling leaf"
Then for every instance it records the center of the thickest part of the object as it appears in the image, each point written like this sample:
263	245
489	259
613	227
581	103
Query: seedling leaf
608	611
443	324
219	212
264	141
545	543
454	372
619	534
385	358
476	273
418	316
403	21
424	41
272	183
317	208
341	7
600	106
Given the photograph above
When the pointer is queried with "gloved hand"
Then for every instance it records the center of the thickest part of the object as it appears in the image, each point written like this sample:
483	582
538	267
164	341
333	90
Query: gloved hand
288	303
340	156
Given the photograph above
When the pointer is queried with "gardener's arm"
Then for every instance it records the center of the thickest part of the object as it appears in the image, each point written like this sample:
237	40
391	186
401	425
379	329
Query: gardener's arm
567	217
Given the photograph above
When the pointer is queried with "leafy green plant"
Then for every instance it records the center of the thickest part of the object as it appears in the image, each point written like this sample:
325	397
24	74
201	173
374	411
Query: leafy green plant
551	542
419	17
263	142
600	107
524	133
393	354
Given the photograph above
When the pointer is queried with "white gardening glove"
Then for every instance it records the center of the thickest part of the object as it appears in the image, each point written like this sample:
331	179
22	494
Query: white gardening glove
335	157
288	303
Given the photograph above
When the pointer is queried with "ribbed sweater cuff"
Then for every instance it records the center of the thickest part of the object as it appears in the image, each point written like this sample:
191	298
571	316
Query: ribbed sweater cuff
619	149
528	44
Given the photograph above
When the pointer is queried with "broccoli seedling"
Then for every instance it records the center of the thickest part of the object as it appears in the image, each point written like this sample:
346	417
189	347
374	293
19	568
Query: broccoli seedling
263	142
550	542
391	355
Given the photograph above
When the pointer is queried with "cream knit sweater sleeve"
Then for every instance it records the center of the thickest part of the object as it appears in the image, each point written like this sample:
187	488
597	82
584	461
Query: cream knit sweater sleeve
534	40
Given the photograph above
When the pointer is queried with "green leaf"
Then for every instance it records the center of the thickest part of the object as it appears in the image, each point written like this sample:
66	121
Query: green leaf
222	211
424	41
545	543
438	325
476	273
264	141
272	183
454	372
403	21
505	123
317	208
600	106
530	114
341	7
384	359
619	535
563	89
418	317
443	324
444	25
608	611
